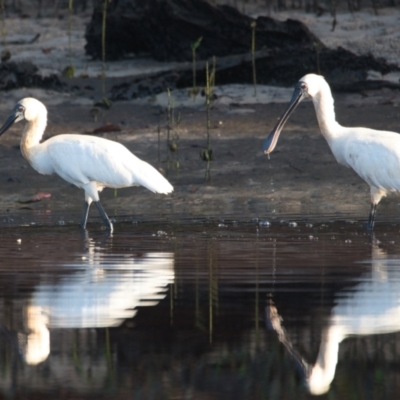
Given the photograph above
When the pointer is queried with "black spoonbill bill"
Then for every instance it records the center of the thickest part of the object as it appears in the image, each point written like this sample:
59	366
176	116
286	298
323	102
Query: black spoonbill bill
91	163
373	154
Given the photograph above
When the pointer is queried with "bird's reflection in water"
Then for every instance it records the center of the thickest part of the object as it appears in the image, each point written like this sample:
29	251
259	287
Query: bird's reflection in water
105	290
371	307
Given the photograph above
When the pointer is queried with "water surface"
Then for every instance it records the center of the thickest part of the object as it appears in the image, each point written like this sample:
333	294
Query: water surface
200	309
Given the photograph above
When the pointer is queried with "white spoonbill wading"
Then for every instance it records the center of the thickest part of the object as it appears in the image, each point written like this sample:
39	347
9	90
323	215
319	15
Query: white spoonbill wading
373	154
89	162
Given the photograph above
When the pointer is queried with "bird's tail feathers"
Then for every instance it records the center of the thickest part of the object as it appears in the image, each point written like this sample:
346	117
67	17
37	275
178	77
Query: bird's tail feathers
151	179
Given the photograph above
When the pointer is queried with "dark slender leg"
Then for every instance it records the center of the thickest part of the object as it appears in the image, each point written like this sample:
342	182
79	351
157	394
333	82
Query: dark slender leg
371	220
103	214
85	215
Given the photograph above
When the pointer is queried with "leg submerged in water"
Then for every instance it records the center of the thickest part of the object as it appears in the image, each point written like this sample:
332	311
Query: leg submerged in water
106	220
371	219
85	214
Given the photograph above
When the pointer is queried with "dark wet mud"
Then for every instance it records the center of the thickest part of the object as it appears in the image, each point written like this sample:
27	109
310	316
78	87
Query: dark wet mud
301	178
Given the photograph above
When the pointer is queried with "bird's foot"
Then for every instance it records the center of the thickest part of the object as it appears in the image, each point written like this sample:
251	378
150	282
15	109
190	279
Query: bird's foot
109	228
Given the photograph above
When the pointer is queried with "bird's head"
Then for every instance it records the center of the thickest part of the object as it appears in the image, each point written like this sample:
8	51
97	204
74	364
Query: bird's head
308	86
318	382
28	109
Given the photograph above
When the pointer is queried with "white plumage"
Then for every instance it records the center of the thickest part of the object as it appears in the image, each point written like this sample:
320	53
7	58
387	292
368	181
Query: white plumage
89	162
100	293
371	307
374	155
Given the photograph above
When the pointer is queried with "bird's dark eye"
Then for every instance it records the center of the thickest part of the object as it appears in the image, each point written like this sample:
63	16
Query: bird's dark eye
303	86
21	109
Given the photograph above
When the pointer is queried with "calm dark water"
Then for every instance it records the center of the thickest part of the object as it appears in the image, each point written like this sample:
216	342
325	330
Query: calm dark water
200	309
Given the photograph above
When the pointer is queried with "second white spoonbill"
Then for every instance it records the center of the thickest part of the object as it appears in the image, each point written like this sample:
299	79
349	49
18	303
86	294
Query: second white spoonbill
88	162
374	155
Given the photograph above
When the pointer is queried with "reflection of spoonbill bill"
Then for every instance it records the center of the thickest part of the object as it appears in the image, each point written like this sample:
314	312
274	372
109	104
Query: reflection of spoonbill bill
371	307
374	155
91	163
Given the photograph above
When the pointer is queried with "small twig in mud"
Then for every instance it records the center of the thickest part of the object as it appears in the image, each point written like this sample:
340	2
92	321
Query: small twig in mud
295	168
194	47
103	49
207	153
350	6
104	102
168	125
56	6
375	6
70	8
5	53
3	24
159	146
334	23
40	4
172	133
317	48
69	71
333	12
95	112
253	50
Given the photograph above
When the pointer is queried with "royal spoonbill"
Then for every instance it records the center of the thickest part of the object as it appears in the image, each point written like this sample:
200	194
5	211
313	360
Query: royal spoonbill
89	162
374	155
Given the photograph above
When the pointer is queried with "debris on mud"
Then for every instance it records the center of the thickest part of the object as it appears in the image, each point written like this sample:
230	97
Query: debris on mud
105	129
167	30
25	74
39	196
343	70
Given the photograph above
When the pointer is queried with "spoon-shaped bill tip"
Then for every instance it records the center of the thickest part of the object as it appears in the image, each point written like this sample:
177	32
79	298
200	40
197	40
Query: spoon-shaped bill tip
272	139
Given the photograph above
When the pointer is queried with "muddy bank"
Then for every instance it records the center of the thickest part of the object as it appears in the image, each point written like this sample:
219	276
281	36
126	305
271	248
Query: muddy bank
343	70
22	74
302	178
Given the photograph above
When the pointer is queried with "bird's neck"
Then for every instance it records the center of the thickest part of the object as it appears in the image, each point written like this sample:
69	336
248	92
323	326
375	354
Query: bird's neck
31	136
324	108
323	372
